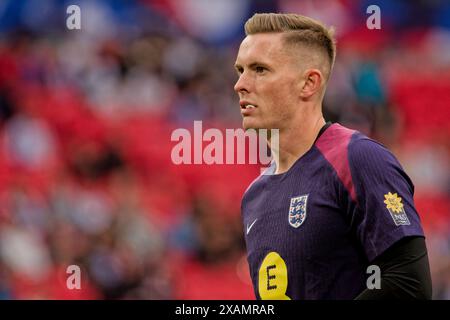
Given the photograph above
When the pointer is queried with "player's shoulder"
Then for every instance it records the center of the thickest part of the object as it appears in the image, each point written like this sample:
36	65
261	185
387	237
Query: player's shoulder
363	150
339	143
334	144
370	158
259	181
354	156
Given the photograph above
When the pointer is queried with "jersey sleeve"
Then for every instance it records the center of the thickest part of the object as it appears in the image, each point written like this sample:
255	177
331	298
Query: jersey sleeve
383	211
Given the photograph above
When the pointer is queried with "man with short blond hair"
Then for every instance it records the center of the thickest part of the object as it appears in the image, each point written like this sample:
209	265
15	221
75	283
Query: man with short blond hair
333	202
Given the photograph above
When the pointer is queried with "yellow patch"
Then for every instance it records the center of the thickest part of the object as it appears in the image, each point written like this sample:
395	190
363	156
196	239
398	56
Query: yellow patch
273	278
393	202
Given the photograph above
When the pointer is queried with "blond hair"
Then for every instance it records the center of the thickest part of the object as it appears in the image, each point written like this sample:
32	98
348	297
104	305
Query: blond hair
299	30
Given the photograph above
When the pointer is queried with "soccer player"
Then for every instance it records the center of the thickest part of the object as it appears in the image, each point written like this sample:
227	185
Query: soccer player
335	207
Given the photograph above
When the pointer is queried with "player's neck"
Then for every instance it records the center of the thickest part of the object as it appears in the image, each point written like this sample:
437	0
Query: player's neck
295	141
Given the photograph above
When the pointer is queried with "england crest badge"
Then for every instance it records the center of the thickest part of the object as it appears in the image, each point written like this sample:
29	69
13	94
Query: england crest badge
297	210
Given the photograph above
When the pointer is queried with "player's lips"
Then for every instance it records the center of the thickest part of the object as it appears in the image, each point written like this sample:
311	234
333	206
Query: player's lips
247	107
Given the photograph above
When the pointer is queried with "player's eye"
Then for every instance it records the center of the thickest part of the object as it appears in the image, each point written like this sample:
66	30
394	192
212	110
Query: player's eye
260	69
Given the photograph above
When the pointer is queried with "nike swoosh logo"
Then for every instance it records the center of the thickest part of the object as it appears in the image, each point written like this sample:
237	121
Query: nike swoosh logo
250	226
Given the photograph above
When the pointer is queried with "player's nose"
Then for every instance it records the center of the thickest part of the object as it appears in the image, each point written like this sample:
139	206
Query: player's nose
241	84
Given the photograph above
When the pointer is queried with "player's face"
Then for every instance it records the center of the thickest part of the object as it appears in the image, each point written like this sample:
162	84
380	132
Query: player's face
269	82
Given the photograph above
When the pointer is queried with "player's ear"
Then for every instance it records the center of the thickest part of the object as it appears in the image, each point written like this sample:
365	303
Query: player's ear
312	82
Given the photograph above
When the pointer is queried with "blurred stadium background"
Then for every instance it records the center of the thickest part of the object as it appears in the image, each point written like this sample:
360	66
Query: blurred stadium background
86	116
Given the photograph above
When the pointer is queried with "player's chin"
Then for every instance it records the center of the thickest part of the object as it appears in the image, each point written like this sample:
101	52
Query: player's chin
251	123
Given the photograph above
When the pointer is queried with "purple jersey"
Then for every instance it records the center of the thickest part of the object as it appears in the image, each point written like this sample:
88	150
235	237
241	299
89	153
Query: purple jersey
312	231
